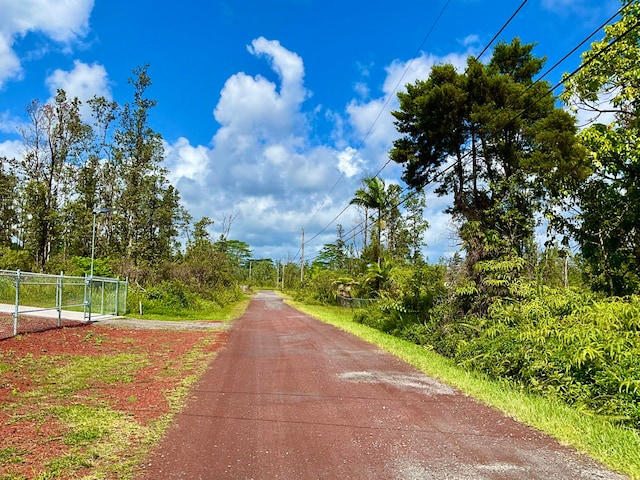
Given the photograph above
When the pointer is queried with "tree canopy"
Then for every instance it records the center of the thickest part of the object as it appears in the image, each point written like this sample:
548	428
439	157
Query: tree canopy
493	138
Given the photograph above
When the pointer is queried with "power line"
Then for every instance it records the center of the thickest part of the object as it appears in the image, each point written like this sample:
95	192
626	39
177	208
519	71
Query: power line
375	121
359	227
548	92
501	29
388	99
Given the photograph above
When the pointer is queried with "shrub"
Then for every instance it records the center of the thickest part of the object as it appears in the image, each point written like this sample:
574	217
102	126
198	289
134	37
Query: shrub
572	345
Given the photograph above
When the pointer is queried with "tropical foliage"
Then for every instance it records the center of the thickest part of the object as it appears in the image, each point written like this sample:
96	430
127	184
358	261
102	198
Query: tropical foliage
562	319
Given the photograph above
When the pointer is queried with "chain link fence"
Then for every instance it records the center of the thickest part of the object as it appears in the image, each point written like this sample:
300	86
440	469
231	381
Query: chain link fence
57	297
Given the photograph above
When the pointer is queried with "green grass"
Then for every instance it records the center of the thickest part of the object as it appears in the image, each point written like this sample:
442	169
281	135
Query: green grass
60	376
11	455
617	447
206	310
100	441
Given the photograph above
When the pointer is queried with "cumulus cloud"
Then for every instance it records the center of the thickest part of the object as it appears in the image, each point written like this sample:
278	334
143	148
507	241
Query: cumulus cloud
9	61
349	162
62	22
260	163
371	119
255	105
83	81
187	162
11	149
8	124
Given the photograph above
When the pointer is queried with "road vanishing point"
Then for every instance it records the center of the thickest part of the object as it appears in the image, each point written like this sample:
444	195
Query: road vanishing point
290	397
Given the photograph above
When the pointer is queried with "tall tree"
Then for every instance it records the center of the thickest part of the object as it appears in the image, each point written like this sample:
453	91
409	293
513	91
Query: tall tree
479	135
148	207
8	198
55	140
416	223
373	196
395	229
333	255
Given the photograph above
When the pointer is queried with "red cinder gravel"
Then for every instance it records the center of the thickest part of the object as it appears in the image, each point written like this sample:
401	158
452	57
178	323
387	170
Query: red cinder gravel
292	398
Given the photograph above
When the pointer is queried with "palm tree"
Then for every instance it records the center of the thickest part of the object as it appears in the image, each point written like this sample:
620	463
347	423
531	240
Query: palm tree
374	196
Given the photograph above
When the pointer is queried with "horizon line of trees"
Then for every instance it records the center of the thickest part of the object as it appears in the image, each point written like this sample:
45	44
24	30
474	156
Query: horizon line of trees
108	169
492	137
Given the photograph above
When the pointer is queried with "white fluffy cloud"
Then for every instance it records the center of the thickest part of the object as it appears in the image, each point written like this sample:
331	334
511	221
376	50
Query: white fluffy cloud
186	161
255	105
371	118
62	22
11	149
349	162
83	81
9	61
261	166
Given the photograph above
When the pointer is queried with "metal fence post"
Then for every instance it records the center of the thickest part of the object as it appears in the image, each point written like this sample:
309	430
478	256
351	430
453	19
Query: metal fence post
102	297
16	311
84	300
59	299
117	296
126	292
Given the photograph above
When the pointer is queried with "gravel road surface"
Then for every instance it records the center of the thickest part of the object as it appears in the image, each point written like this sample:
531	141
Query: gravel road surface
292	398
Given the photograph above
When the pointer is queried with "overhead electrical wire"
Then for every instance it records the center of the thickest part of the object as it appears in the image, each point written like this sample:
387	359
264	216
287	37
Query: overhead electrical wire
548	92
388	99
375	121
620	11
501	30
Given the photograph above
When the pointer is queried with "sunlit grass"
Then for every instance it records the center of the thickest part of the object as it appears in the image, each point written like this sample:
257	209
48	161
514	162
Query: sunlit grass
11	455
98	440
205	310
617	447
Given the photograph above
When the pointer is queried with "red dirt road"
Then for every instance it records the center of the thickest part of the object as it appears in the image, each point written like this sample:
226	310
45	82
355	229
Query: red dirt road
292	398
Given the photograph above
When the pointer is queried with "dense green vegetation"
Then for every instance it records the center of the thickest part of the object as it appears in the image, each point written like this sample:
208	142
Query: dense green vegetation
561	320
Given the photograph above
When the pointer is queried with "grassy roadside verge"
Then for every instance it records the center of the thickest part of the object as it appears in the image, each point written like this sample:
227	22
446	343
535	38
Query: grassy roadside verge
206	310
91	402
616	447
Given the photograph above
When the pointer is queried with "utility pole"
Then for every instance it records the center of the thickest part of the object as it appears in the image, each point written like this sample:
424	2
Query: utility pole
302	260
283	275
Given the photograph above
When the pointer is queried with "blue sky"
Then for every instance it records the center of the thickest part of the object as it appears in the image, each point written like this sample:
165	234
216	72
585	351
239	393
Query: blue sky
271	112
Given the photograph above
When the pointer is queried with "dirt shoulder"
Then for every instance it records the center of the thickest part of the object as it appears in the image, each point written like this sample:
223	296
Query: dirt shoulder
90	400
126	322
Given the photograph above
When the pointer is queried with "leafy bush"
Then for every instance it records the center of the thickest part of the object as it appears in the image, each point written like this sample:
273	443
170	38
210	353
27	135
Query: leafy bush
11	259
404	309
169	294
572	345
320	289
162	298
227	296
